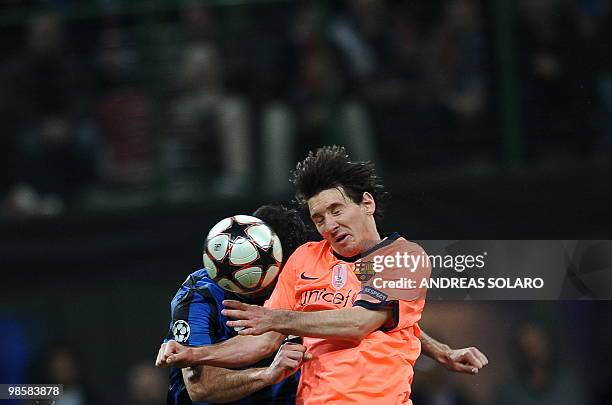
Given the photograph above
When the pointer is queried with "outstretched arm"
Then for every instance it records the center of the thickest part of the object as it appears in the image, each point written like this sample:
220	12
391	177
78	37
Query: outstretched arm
214	384
468	360
347	323
239	351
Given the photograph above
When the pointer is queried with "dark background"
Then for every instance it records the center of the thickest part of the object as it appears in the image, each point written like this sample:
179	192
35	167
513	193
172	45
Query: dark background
129	128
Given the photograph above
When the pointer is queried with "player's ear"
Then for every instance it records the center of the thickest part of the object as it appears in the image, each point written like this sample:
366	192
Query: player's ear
368	203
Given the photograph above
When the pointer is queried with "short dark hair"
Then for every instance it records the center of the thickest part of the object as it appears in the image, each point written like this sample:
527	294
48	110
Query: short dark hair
331	167
287	224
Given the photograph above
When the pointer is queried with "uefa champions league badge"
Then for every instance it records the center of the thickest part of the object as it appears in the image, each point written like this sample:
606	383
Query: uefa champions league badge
339	276
181	331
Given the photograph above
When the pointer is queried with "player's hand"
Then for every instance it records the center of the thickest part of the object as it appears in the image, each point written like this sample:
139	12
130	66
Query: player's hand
250	319
469	360
287	361
160	361
174	354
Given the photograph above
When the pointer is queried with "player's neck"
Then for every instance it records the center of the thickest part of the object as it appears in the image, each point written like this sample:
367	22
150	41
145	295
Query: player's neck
370	241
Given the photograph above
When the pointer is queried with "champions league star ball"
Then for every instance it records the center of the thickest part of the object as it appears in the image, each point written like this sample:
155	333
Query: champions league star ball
242	254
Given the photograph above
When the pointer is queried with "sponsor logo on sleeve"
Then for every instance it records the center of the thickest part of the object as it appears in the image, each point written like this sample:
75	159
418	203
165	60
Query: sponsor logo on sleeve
181	331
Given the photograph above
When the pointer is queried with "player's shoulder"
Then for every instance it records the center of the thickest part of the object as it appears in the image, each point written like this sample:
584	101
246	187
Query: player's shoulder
312	245
410	245
199	285
310	248
200	279
396	240
394	244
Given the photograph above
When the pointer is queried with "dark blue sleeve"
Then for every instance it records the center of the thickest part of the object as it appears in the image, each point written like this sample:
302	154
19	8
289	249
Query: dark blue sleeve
194	317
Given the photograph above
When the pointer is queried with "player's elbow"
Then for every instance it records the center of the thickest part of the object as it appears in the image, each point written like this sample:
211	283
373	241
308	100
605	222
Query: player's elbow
198	394
352	337
360	334
208	393
264	346
268	347
356	332
198	388
365	321
360	328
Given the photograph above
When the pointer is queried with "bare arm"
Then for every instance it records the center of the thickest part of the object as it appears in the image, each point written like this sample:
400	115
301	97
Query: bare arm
239	351
214	384
468	360
347	323
434	349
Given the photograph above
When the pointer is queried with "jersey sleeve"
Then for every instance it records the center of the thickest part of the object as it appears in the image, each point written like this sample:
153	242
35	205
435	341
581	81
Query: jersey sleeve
404	314
406	304
283	295
193	319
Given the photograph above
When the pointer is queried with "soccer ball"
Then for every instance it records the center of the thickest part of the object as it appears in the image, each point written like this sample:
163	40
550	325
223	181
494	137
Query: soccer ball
242	254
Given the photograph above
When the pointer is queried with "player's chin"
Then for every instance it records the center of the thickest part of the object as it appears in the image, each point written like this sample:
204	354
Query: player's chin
346	248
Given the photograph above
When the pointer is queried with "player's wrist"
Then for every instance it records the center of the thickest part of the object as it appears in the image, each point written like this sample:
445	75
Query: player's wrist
444	356
198	356
281	321
268	375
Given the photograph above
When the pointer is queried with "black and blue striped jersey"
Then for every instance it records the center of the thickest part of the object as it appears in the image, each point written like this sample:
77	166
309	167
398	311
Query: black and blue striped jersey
196	320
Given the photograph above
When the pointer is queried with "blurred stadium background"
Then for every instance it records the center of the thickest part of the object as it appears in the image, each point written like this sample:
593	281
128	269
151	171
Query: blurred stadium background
130	127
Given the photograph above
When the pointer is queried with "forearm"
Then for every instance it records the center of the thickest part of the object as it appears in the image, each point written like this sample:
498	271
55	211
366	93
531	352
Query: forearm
467	360
348	323
212	384
434	349
239	351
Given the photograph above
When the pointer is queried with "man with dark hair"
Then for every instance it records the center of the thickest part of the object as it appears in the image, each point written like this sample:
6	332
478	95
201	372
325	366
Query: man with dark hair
330	168
363	346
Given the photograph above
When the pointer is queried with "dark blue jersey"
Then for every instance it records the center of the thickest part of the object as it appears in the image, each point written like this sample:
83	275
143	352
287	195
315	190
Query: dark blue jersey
197	321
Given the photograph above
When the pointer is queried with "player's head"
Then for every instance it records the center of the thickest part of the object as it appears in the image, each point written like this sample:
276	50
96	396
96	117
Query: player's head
287	224
291	231
343	197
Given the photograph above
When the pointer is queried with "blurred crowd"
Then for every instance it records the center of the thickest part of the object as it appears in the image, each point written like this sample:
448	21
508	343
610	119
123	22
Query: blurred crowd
537	374
180	97
60	363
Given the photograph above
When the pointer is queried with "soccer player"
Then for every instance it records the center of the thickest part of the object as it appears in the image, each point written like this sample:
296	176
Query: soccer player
363	347
197	321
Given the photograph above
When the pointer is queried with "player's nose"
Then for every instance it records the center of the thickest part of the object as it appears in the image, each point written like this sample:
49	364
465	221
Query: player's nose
331	227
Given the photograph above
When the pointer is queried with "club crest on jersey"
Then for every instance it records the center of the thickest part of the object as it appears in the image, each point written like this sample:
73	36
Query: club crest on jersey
364	270
181	331
339	276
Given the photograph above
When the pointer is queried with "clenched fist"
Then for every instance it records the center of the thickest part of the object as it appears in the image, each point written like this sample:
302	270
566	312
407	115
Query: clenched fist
288	360
469	360
174	354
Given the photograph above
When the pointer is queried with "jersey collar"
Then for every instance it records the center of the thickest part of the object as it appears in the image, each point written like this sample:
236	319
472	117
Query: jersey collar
386	241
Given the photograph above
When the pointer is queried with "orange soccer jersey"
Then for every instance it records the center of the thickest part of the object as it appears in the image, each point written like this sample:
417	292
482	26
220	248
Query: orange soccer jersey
379	368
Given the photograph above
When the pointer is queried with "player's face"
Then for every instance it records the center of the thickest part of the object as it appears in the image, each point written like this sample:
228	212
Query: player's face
342	222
